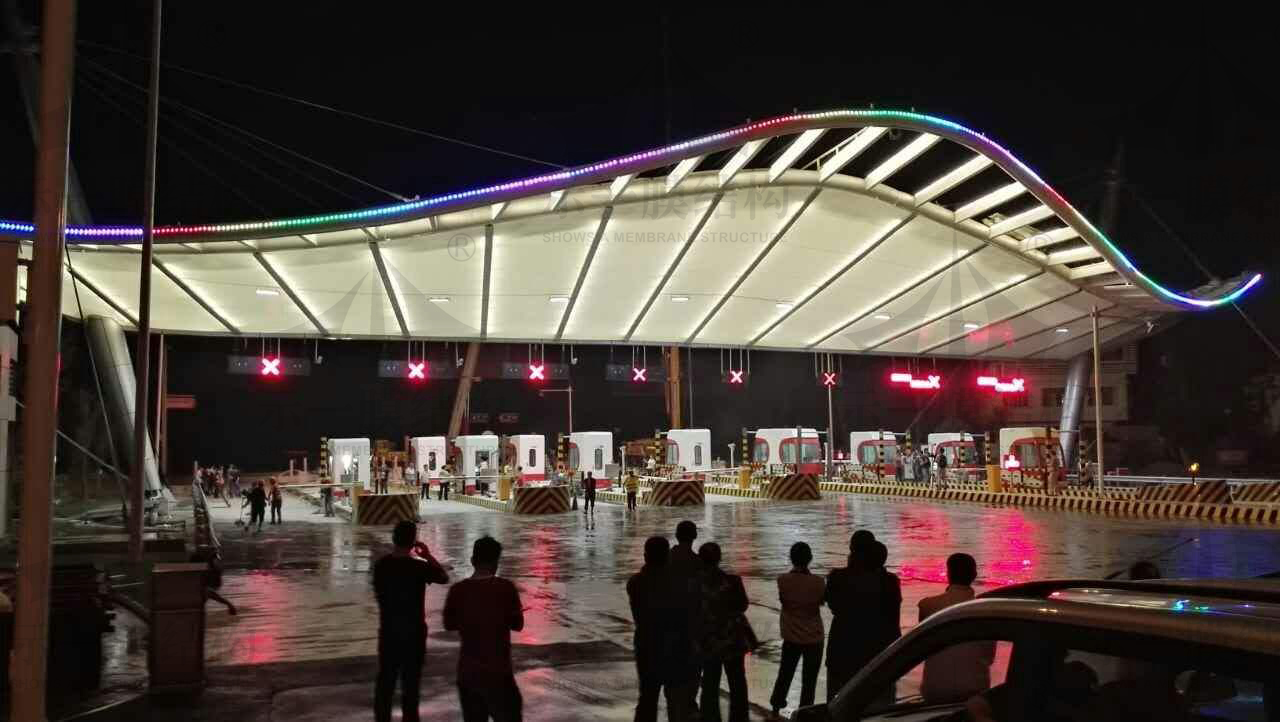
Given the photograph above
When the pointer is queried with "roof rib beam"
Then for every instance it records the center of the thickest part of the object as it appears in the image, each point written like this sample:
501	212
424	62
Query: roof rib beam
388	287
899	294
985	203
901	159
1091	270
682	171
724	298
1020	220
874	244
1049	238
288	291
488	270
194	296
1078	336
1005	319
957	309
675	262
101	294
739	160
582	273
1033	334
793	152
851	148
969	169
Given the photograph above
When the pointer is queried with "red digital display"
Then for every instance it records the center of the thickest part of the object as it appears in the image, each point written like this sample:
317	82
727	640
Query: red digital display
270	366
1014	385
537	372
932	381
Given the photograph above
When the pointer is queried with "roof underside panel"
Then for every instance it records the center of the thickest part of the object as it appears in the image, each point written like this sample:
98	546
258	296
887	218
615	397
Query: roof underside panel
439	278
534	261
240	289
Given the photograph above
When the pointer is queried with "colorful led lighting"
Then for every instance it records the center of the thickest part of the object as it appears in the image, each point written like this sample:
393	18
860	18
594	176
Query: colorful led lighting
662	155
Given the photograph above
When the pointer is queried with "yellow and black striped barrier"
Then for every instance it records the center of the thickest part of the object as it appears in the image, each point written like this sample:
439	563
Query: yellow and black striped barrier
542	500
481	501
686	492
385	509
1260	493
794	487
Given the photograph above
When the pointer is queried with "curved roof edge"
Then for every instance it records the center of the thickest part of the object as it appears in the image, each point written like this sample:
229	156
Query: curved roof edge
1228	291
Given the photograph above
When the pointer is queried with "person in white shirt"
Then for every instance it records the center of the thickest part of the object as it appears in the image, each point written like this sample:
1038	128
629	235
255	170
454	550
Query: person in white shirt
962	670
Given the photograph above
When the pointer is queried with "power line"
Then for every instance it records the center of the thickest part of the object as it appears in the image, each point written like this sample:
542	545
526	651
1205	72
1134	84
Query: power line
211	119
204	139
329	108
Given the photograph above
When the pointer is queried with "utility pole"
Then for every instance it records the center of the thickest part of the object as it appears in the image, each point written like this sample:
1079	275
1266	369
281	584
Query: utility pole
43	322
137	489
1097	395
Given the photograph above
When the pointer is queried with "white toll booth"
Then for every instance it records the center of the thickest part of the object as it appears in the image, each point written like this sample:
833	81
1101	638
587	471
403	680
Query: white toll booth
349	460
772	447
690	449
479	456
430	454
959	446
592	451
865	448
528	453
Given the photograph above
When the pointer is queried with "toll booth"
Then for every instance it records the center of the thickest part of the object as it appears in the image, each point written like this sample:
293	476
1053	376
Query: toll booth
478	456
688	448
781	447
591	451
350	460
527	452
1030	453
428	455
961	450
876	452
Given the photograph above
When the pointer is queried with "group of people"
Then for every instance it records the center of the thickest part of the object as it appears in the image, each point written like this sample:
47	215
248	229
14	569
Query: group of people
219	482
258	497
922	466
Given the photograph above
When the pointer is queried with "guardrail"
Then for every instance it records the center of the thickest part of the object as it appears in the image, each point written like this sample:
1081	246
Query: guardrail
205	536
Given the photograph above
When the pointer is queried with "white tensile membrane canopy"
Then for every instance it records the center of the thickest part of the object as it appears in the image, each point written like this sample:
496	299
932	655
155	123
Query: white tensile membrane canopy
822	232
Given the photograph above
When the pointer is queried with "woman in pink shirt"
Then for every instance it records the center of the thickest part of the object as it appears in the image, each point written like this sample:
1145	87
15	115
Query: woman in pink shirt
801	595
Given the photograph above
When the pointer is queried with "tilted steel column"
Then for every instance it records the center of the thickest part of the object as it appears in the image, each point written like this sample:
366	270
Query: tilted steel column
43	326
110	351
1073	405
464	389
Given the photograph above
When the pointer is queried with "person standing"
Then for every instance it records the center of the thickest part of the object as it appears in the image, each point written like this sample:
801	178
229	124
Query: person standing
866	604
963	670
446	478
257	505
724	639
589	493
326	493
942	465
633	490
800	622
664	608
400	582
651	465
424	483
485	609
684	560
277	502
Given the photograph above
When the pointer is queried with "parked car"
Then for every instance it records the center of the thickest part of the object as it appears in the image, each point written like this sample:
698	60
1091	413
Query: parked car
1076	650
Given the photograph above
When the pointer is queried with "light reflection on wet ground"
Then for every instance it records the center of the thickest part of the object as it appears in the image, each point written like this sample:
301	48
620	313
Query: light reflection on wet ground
303	587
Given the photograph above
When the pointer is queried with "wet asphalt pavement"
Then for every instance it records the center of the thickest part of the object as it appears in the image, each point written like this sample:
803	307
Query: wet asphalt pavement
303	645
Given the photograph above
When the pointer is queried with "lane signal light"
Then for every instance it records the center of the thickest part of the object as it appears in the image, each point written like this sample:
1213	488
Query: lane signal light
1015	385
418	371
270	366
829	379
932	381
736	377
639	374
537	372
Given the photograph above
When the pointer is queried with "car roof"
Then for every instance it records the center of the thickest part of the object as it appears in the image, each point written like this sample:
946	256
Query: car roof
1251	590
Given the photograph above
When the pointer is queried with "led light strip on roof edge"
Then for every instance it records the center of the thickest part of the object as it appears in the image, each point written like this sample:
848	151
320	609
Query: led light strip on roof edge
659	157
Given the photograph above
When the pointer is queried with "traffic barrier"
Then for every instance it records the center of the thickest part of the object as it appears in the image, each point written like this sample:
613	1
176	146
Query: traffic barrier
734	491
384	509
542	500
482	501
1264	493
1174	503
677	493
794	487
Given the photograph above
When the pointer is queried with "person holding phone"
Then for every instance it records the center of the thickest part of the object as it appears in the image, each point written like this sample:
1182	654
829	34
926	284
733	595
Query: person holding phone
400	582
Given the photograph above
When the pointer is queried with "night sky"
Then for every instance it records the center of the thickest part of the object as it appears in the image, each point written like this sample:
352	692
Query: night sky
1192	105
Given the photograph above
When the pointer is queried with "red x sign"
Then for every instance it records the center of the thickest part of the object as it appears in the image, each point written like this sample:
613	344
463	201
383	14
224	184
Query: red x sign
270	366
536	373
828	378
638	374
735	377
418	370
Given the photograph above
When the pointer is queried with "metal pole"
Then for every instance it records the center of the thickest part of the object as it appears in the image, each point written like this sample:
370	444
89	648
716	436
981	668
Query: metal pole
570	409
831	432
1097	396
43	327
136	491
